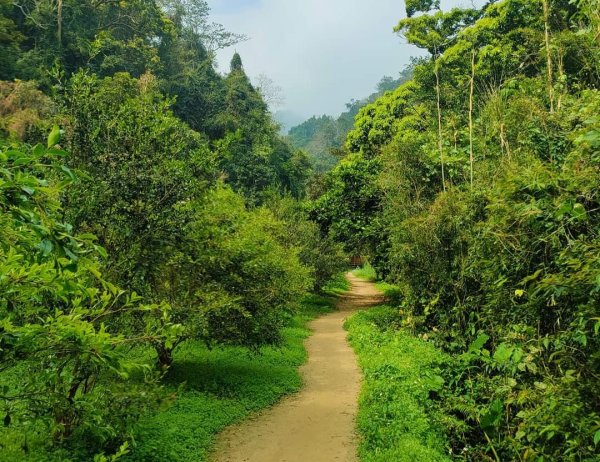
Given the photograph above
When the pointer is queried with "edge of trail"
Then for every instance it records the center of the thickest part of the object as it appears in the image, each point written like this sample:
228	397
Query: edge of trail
317	423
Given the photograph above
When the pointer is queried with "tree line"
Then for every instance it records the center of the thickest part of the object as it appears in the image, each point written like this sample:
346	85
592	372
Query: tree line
323	137
146	200
474	188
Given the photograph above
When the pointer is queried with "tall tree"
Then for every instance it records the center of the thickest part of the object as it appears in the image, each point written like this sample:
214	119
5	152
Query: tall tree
435	32
10	40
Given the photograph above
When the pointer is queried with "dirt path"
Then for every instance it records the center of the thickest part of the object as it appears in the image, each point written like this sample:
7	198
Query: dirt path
317	424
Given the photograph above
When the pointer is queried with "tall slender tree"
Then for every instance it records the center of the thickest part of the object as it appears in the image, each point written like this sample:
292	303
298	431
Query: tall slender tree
434	31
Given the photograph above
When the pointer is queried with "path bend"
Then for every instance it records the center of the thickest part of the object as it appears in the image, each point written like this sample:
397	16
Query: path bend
318	423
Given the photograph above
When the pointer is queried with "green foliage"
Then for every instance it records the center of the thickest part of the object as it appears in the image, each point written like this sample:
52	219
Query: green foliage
170	235
213	388
322	254
24	112
366	272
501	272
318	136
352	200
241	274
338	285
236	63
222	386
106	37
324	137
251	154
155	132
434	32
142	166
420	6
64	364
396	420
10	39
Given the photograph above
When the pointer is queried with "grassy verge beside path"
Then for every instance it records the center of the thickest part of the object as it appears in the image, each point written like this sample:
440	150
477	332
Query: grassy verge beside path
213	389
221	387
366	272
395	420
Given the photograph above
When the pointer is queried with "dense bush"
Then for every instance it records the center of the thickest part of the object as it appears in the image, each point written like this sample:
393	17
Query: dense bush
231	280
25	111
322	254
64	360
488	220
395	420
151	232
141	164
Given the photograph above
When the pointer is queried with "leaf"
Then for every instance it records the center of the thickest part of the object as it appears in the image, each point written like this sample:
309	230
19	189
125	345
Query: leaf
69	172
7	420
57	152
519	293
46	246
479	343
597	438
565	208
579	212
503	353
435	383
69	253
532	277
54	137
491	419
101	251
38	151
22	160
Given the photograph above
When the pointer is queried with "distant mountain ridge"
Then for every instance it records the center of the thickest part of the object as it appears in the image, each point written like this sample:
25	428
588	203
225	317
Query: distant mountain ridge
287	120
321	136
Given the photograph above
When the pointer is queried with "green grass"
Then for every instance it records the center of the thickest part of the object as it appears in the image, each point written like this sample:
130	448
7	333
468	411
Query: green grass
337	286
366	272
386	287
214	388
400	372
222	387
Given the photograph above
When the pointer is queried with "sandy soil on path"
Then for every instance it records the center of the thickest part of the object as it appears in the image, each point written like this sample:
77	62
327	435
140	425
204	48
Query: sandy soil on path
317	424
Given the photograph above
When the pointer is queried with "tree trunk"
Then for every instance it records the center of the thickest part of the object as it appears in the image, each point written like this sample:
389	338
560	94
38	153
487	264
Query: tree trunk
471	94
561	79
59	20
546	6
439	111
504	141
164	356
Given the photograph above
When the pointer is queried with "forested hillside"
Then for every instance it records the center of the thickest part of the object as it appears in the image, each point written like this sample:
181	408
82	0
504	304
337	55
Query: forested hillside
474	189
148	204
323	137
163	246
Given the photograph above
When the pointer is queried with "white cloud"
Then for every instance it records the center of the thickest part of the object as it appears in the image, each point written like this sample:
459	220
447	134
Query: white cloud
321	52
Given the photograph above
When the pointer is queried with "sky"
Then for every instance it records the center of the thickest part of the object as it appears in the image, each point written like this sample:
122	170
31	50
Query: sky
322	53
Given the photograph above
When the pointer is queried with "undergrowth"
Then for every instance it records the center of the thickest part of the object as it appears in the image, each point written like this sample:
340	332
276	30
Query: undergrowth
337	285
211	389
222	387
401	372
366	272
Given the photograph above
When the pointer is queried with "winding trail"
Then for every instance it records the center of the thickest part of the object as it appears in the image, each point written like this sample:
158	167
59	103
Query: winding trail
317	424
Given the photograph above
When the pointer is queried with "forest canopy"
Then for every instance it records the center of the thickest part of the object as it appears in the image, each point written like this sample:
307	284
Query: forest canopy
473	188
150	209
147	201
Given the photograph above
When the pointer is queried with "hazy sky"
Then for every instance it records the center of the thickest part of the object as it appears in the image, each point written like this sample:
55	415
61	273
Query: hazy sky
322	53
